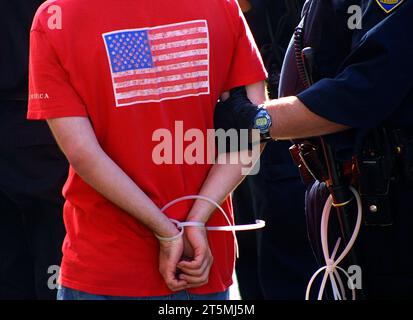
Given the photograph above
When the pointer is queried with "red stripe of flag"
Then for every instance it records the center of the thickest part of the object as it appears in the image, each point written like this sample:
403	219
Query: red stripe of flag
160	96
180	49
180	60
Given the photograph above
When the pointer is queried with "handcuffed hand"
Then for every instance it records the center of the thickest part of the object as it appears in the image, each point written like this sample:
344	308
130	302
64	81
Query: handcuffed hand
196	265
170	254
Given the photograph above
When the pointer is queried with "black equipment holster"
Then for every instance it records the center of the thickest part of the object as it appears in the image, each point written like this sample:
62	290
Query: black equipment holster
376	173
385	159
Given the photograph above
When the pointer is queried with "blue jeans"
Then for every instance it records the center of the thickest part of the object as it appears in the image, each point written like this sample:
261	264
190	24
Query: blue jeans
70	294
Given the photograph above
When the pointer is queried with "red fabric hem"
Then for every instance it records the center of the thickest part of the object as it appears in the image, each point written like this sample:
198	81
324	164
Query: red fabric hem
53	113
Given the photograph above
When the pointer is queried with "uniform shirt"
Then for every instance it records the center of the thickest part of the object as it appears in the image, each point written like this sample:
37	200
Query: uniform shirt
374	84
133	67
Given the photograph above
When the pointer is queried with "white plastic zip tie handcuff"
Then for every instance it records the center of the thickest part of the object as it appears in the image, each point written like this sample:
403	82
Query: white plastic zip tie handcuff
174	238
259	224
331	268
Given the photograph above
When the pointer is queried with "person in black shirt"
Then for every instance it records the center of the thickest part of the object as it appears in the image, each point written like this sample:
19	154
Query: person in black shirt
32	171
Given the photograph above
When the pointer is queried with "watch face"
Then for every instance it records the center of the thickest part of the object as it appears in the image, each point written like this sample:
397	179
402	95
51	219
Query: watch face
261	122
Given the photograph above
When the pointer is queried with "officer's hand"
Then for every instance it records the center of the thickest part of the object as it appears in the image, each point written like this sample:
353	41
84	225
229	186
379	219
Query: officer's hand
236	112
170	253
196	271
224	116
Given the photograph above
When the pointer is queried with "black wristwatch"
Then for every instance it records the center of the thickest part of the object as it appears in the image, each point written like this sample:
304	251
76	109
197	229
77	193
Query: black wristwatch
263	122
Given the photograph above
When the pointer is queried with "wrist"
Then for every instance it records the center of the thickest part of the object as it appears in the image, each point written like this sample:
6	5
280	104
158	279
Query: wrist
263	123
169	233
198	217
172	239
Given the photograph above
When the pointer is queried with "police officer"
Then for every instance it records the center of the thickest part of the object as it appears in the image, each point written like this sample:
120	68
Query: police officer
32	171
277	263
354	88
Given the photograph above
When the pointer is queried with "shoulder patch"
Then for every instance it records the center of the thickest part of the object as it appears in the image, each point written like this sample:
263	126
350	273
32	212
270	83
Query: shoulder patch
389	5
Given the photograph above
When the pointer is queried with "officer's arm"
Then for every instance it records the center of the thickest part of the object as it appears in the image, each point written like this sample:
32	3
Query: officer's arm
293	120
374	82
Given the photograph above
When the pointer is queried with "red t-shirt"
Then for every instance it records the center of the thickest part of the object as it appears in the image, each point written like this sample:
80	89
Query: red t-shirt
133	67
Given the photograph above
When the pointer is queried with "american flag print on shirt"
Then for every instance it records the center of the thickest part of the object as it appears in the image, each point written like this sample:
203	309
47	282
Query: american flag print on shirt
159	63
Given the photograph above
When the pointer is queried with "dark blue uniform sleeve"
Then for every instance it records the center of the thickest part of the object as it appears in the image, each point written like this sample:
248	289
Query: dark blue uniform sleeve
375	79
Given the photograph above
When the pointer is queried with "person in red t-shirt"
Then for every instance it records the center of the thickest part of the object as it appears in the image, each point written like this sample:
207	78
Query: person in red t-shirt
106	75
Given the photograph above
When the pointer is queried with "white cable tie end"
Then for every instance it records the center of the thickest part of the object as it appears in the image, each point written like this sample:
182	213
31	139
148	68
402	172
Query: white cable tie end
191	224
259	224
